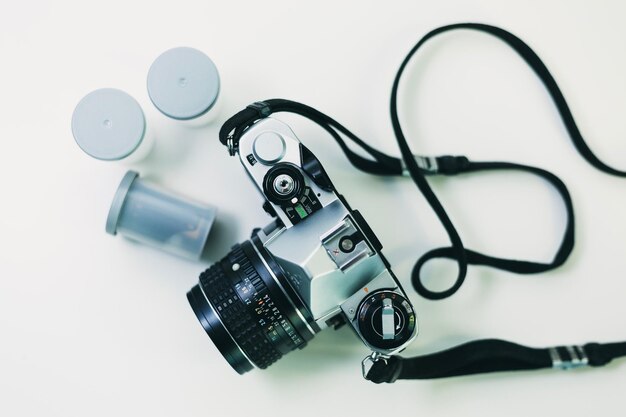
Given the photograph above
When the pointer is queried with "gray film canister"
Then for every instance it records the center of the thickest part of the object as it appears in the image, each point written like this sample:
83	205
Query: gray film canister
108	124
184	84
149	214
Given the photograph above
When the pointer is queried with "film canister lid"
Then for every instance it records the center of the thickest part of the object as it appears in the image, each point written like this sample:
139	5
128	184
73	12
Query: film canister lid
183	83
108	124
146	213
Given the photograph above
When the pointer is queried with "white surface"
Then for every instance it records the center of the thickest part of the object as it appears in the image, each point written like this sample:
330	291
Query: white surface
92	325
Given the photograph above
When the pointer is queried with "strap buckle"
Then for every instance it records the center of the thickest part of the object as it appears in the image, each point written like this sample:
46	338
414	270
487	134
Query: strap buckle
577	357
427	164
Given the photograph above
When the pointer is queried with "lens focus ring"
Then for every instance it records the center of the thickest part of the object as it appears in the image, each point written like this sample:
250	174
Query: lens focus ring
244	308
242	326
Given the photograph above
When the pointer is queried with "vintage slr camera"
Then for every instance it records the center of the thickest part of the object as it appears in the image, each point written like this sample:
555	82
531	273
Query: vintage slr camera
317	265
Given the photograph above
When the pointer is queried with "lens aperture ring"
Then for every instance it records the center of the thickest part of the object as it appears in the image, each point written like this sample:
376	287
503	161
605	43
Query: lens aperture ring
242	326
262	302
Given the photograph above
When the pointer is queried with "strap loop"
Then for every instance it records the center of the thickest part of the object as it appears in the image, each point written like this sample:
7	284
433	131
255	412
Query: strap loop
387	370
262	108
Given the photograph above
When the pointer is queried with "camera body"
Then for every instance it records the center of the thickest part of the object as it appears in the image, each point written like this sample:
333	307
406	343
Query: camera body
318	264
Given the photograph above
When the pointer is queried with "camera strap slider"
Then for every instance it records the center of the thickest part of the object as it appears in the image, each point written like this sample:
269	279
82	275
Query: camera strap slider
577	357
427	165
438	165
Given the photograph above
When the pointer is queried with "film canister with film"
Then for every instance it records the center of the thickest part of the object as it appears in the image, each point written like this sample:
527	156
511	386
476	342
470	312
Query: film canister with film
108	124
183	84
149	214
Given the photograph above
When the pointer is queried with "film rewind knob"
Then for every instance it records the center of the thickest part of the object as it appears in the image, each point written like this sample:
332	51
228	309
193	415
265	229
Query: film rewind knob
269	148
386	320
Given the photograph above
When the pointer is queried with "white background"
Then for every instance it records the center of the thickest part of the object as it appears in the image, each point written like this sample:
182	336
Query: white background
94	325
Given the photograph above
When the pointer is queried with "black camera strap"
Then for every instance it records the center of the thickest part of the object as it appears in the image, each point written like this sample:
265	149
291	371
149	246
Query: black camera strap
492	355
460	164
480	356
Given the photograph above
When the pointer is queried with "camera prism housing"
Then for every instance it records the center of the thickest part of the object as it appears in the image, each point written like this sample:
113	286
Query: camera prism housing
317	265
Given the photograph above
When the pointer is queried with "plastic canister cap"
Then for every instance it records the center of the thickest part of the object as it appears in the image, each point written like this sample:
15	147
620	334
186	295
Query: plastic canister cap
108	124
183	83
118	202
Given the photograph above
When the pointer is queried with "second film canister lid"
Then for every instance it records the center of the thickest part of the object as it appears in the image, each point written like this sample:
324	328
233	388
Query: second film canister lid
183	83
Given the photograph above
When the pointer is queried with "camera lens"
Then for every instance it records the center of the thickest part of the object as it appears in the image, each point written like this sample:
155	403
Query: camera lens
249	310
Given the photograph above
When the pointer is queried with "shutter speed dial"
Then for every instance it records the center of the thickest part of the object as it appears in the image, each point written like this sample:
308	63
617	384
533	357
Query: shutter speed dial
386	320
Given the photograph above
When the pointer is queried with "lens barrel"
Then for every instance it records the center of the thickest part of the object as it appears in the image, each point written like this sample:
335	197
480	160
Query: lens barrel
246	311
